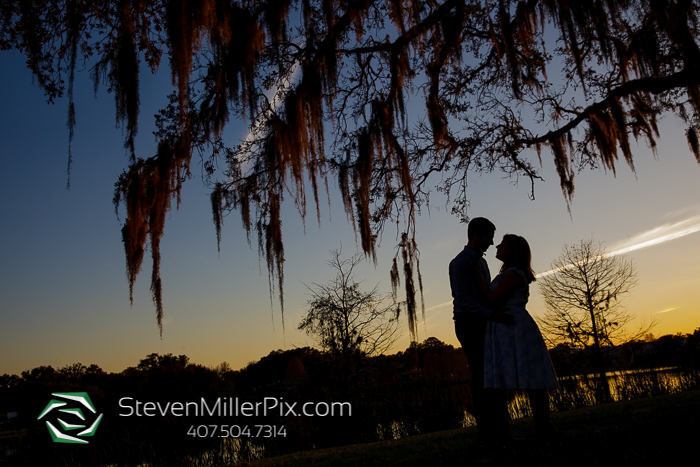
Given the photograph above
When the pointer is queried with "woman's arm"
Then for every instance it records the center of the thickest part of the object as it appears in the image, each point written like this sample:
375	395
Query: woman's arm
509	283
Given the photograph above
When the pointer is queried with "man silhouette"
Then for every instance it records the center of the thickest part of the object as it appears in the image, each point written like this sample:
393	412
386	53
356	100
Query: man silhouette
470	317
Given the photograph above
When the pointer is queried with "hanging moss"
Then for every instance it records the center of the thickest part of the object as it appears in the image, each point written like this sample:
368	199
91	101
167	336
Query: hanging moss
411	265
342	74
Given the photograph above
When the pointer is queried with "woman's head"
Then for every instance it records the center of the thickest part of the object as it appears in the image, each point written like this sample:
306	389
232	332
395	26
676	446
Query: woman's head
514	251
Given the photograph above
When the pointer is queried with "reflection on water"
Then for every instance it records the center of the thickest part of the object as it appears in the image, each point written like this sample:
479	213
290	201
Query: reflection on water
229	451
651	383
395	430
398	430
580	391
583	390
468	420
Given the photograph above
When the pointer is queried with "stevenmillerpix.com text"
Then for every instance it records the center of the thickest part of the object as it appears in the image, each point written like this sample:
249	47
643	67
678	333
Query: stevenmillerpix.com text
227	407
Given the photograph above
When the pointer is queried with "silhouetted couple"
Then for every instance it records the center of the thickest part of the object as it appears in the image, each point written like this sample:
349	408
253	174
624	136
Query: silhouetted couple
503	344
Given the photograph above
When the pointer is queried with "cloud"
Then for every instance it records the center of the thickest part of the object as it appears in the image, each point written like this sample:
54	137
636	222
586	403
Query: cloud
276	97
656	236
663	311
438	306
682	211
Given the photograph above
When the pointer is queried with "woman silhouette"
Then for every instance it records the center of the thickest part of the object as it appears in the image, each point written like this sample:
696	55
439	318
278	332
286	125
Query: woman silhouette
515	356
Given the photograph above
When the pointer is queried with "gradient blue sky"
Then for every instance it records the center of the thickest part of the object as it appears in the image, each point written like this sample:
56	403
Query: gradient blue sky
63	289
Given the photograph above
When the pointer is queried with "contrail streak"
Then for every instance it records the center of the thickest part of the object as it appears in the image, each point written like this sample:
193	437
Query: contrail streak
663	311
277	98
435	307
657	241
661	238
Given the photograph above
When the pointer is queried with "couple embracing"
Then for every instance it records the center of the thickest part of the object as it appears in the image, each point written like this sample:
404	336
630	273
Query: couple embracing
503	344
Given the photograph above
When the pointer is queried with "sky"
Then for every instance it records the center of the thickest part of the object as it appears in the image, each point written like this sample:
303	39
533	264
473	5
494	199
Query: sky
63	289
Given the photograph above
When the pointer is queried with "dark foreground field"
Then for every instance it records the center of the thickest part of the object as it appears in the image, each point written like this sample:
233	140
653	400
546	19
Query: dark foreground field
661	430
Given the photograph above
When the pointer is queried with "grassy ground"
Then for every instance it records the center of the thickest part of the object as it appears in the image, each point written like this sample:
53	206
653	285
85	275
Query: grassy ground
654	431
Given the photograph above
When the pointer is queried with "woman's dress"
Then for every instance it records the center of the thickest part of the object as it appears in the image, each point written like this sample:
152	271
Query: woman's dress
515	356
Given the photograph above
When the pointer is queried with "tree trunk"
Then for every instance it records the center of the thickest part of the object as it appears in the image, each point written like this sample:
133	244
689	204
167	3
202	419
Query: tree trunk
602	386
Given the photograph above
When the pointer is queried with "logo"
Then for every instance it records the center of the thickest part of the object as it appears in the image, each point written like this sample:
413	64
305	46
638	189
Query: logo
69	417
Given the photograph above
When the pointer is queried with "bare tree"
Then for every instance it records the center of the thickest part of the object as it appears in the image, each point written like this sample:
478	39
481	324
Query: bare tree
583	293
346	320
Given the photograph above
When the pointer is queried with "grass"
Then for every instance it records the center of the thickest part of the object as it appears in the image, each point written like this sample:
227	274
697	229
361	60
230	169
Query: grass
652	431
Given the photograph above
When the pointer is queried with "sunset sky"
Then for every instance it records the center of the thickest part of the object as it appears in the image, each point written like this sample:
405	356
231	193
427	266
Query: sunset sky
63	290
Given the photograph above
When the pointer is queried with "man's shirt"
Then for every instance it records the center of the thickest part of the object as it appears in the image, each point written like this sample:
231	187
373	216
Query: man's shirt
465	289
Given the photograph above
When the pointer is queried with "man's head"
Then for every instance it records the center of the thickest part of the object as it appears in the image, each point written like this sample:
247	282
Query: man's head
480	232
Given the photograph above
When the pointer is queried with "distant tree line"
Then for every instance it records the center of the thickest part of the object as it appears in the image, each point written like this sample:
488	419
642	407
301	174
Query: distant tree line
422	389
671	350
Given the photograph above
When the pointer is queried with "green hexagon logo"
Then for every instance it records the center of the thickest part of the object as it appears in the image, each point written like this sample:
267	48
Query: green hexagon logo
70	422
